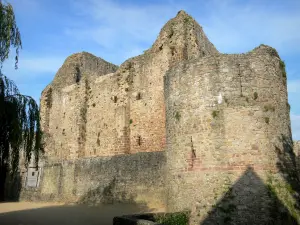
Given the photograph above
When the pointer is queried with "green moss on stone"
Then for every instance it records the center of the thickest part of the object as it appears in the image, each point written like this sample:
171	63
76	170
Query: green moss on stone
267	120
255	95
215	114
177	116
282	67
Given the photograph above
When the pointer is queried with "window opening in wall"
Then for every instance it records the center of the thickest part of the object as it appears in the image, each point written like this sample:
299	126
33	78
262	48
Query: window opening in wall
139	140
32	174
138	96
78	75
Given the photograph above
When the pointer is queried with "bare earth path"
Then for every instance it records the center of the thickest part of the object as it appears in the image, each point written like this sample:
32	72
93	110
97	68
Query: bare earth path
29	213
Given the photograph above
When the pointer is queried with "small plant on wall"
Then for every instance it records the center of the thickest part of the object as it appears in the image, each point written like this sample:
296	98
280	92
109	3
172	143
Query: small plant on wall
255	95
267	120
177	116
215	114
282	67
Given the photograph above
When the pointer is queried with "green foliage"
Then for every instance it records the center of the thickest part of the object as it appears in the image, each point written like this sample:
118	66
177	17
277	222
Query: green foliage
19	125
267	120
19	114
255	95
177	116
288	106
215	114
269	107
9	33
130	121
282	67
281	191
173	219
187	20
227	207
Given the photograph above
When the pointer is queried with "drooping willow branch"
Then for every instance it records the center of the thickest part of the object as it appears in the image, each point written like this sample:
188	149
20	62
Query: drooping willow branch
19	125
9	33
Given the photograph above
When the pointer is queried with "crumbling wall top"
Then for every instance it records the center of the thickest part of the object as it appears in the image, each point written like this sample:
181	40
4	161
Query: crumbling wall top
78	64
185	33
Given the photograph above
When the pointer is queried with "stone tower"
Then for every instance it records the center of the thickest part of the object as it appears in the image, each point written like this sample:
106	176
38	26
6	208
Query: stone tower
227	126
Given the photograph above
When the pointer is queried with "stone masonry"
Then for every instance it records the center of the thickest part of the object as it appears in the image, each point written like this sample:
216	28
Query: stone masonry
87	114
225	114
179	126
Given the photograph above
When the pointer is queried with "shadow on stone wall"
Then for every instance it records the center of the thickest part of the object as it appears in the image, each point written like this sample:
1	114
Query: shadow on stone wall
288	165
75	215
108	195
249	201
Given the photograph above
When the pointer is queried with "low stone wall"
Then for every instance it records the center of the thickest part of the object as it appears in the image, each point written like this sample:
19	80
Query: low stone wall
181	218
134	178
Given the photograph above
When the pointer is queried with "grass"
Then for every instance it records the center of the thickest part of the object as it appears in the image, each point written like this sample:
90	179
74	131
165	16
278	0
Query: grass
181	218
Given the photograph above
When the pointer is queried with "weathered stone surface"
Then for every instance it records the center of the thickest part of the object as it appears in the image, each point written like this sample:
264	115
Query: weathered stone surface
222	121
297	154
77	66
297	148
134	178
64	104
227	126
85	114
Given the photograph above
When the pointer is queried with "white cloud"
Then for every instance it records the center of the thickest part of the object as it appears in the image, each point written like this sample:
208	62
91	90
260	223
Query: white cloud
35	64
41	64
295	120
230	25
235	27
119	28
33	73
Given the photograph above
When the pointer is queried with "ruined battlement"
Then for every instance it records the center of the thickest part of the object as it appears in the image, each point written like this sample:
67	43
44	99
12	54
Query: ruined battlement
170	128
77	65
87	113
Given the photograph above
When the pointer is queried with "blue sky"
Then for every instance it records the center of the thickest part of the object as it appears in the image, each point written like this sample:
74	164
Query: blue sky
118	29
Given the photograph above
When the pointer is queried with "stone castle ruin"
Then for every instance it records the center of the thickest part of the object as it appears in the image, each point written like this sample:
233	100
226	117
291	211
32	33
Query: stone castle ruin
181	126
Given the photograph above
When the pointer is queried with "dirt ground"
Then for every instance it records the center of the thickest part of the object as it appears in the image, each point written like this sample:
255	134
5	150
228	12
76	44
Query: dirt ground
29	213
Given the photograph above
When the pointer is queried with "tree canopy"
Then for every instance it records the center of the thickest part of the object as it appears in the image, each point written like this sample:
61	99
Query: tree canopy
9	33
19	124
19	114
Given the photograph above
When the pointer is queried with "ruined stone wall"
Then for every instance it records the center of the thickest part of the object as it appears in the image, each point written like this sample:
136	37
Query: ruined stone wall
135	178
222	119
227	123
94	109
64	105
105	125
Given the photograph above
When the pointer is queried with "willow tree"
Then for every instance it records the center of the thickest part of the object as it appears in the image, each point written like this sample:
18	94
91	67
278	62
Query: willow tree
19	114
